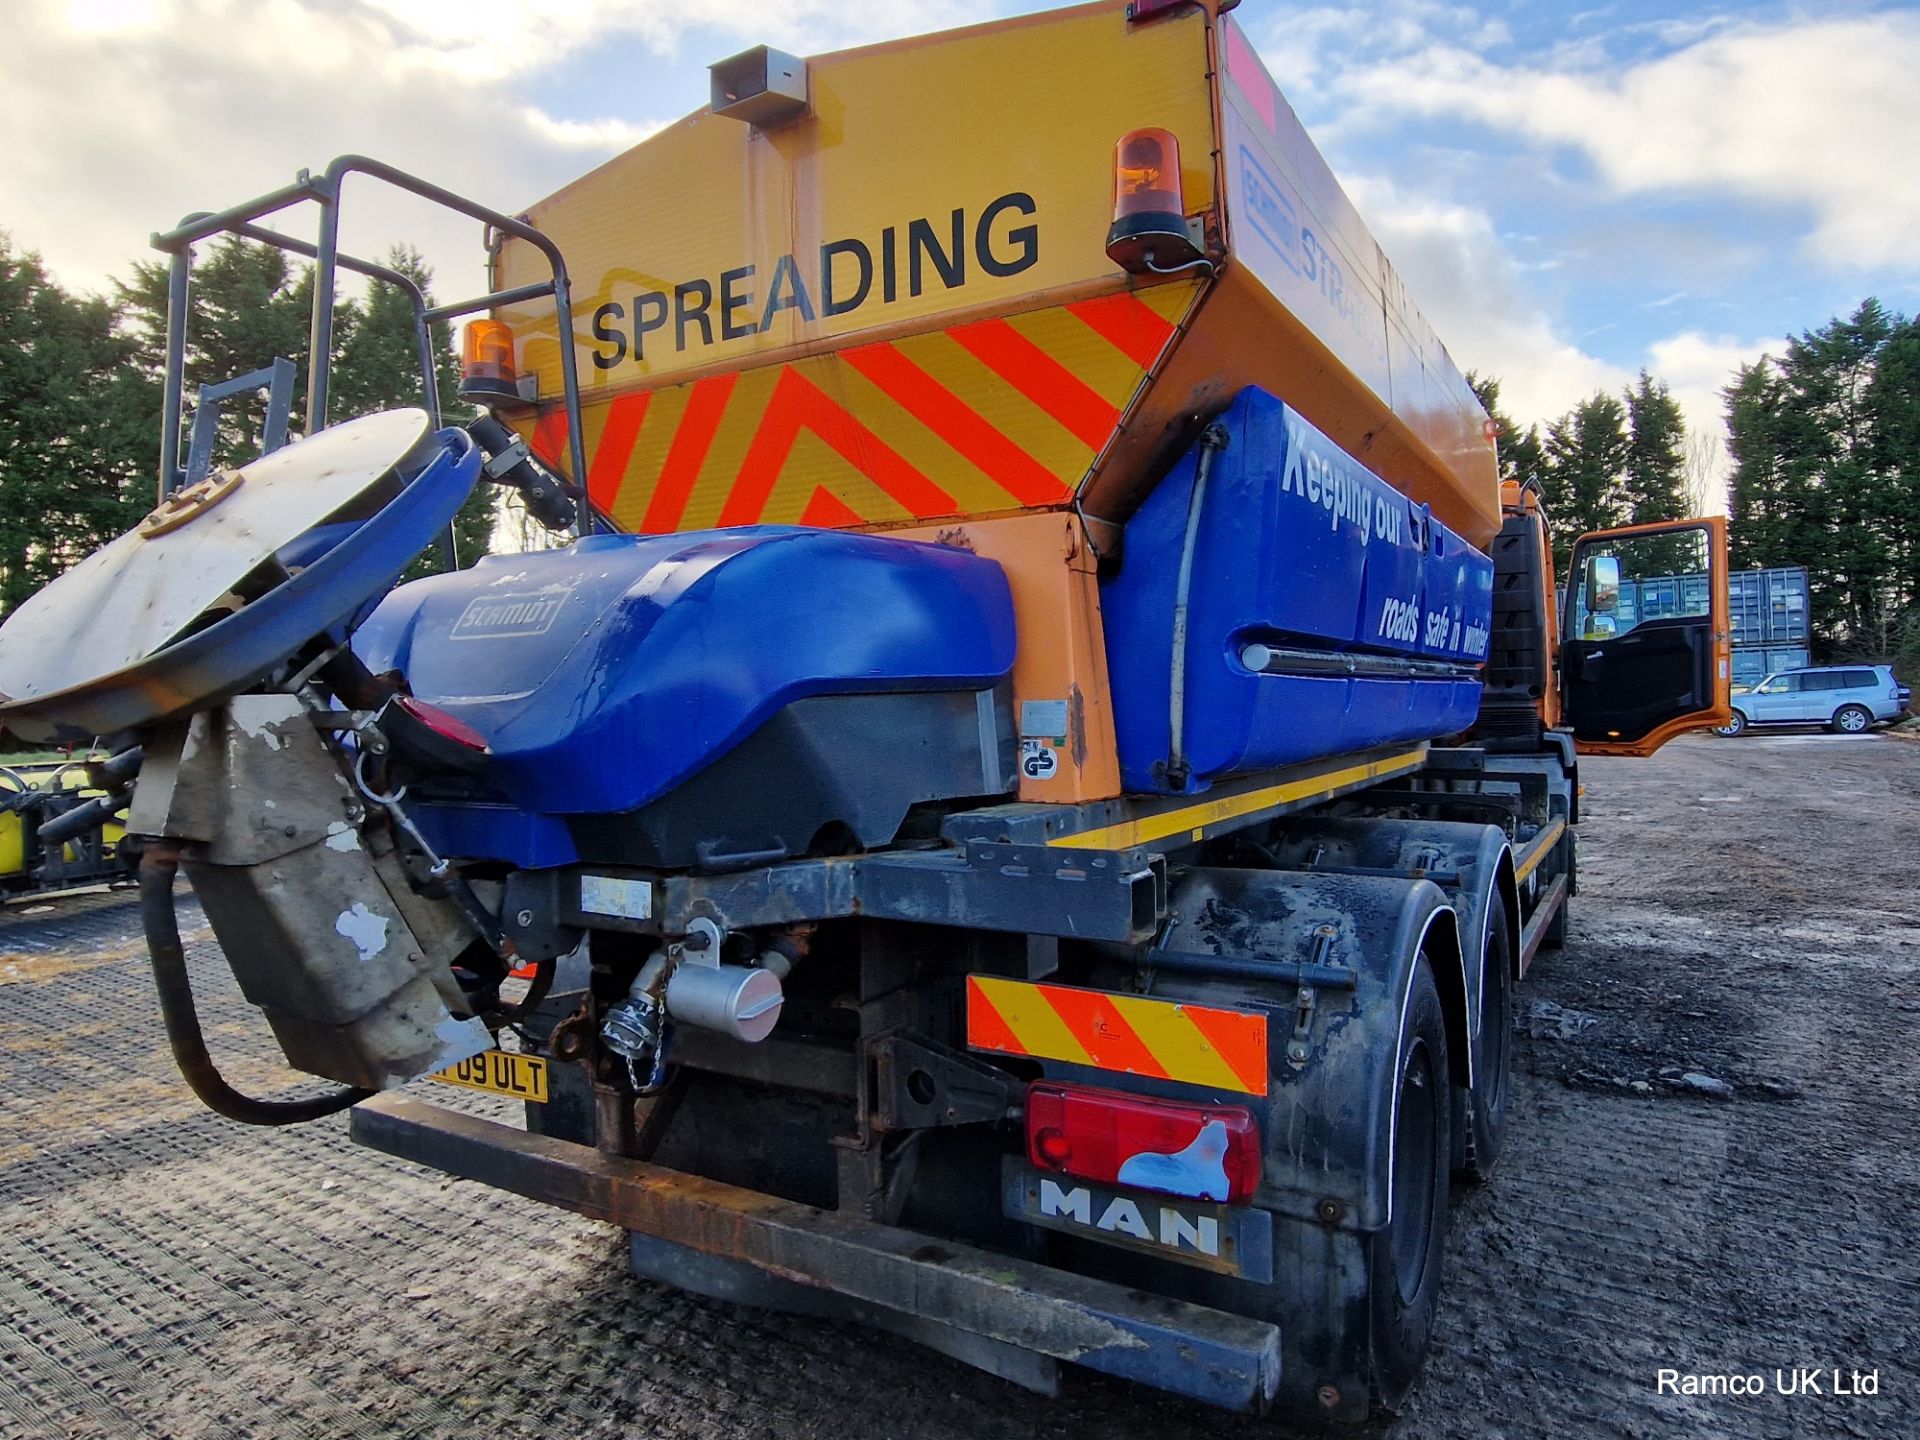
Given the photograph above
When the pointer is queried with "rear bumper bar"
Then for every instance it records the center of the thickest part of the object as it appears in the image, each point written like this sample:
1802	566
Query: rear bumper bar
1205	1354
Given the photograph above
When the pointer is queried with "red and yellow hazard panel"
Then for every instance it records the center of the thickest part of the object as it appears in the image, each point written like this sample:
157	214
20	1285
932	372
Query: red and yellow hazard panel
1160	1039
1006	413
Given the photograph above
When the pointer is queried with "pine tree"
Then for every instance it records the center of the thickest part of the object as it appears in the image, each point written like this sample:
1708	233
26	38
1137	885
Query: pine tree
378	367
1656	454
249	303
76	427
1893	431
1827	449
1759	514
1583	473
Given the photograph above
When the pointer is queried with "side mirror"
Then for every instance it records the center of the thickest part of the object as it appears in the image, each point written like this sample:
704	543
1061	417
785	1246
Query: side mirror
1602	584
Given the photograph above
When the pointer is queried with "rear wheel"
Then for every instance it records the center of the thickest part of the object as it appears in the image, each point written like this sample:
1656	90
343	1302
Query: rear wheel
1406	1257
1852	720
1733	727
1482	1112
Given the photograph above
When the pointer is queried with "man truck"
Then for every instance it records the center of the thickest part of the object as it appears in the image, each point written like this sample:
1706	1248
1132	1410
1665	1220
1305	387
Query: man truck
1020	799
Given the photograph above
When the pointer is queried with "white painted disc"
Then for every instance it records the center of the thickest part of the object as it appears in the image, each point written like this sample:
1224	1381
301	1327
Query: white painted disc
131	598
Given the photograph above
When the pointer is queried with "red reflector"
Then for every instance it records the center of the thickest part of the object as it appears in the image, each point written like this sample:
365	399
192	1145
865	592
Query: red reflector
447	727
1202	1152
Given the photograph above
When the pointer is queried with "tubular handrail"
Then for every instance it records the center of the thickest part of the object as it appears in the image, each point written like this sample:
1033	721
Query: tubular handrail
325	192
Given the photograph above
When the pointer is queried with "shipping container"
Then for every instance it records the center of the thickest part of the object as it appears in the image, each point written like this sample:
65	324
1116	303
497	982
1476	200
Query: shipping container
1753	663
1768	607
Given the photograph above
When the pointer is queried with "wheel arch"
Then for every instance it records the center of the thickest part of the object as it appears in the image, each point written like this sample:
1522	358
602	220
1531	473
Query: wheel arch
1329	1110
1440	943
1472	864
1508	884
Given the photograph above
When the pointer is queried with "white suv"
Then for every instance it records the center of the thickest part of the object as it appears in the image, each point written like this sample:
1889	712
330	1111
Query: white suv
1849	699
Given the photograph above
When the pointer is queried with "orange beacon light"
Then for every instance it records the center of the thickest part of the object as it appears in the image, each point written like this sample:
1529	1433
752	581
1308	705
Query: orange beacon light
1149	232
486	362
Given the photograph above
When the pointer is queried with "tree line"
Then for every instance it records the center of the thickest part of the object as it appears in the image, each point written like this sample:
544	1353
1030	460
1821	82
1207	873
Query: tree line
1822	470
80	390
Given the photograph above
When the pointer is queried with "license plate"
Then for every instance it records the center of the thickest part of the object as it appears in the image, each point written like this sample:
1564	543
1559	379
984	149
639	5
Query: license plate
1231	1239
500	1072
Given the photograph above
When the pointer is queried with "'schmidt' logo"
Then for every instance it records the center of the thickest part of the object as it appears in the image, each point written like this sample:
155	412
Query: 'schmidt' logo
496	617
1270	211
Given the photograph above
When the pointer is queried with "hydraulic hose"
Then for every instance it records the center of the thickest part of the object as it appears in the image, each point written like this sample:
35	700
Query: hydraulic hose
1212	441
159	864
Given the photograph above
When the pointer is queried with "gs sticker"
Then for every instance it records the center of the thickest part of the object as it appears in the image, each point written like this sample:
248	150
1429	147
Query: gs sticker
1038	760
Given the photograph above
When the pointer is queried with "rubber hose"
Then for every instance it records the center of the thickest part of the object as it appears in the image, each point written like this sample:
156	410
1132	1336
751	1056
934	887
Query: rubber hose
159	864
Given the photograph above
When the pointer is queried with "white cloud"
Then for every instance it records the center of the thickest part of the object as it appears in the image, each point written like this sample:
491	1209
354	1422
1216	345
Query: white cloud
1697	366
1308	48
1823	115
124	115
1469	286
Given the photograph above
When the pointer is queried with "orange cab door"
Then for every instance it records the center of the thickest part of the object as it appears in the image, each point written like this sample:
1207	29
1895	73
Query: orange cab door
1644	639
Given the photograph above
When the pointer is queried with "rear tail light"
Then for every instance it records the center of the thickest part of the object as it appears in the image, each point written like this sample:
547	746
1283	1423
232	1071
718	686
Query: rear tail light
447	727
429	735
1201	1152
486	362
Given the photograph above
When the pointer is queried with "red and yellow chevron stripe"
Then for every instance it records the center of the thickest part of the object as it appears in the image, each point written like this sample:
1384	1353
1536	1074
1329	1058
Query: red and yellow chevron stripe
1001	414
1160	1039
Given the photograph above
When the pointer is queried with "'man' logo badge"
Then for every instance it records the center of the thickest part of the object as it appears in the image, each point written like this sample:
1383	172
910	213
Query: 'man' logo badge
1227	1239
1123	1215
497	617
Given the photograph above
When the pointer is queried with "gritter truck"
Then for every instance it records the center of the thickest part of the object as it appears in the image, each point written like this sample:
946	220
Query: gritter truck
1013	808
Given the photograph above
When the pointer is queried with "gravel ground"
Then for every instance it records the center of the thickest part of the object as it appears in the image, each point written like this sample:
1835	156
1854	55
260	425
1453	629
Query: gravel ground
1712	1167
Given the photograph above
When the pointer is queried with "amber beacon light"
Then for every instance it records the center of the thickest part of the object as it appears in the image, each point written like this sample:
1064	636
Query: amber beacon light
486	362
1149	232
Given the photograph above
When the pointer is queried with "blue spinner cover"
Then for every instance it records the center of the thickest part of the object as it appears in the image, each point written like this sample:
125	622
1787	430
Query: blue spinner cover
1299	548
606	673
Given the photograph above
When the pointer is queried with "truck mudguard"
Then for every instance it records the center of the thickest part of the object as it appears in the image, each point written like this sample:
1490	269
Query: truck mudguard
1473	864
1328	1113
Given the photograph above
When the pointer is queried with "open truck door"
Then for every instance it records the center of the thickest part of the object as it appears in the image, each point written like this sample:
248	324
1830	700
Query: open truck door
1645	651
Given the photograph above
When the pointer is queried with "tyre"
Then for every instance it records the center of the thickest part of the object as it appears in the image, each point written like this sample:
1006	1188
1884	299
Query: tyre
1736	726
1406	1257
1852	720
1480	1114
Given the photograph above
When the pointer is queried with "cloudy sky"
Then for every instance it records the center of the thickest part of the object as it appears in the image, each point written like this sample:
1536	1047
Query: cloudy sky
1570	193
